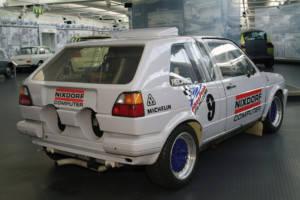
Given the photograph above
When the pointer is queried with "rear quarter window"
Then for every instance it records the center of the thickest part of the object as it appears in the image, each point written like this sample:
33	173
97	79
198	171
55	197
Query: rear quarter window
104	65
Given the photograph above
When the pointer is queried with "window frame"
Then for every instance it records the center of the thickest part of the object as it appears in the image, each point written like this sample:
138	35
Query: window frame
193	63
228	41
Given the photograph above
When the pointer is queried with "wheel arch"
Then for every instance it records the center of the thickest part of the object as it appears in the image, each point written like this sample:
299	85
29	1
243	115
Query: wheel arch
194	124
269	99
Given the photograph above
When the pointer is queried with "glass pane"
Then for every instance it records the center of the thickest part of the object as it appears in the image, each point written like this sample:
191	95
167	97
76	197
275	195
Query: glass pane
206	61
230	59
183	69
106	65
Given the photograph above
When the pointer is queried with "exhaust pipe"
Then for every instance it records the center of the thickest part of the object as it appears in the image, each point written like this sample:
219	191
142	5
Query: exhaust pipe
72	161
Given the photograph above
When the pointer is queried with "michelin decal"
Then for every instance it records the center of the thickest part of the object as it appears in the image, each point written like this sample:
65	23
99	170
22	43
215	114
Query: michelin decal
151	102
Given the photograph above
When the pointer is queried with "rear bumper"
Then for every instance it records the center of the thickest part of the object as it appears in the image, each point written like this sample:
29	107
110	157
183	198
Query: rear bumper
115	147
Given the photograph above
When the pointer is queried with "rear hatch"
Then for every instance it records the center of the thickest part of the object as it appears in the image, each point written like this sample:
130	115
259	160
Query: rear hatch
86	77
256	43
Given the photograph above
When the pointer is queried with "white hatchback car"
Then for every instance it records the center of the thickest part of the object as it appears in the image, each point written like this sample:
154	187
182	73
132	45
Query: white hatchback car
150	98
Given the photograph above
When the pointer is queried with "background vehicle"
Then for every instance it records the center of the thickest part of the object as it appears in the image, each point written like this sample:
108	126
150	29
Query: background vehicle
32	56
82	38
153	99
6	67
258	46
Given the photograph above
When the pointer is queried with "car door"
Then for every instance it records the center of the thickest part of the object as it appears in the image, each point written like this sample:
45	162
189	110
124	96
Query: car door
243	84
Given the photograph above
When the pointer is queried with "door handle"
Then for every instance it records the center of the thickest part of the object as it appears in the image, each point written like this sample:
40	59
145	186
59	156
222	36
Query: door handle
230	87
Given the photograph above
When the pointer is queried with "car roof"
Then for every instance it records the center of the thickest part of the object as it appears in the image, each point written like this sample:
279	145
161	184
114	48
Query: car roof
252	30
29	46
142	36
88	36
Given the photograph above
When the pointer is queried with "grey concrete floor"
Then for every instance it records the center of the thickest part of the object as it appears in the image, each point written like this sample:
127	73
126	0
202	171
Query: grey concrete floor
242	167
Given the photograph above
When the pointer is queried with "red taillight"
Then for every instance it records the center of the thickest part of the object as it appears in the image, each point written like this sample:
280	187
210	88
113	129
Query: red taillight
78	54
243	46
129	105
28	61
270	45
25	98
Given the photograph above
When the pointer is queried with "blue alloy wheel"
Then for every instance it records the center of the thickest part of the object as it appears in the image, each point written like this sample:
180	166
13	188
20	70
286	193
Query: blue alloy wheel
183	156
276	111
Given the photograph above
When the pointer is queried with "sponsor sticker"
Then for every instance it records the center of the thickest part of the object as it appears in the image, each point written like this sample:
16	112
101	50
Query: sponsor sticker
249	102
195	94
69	97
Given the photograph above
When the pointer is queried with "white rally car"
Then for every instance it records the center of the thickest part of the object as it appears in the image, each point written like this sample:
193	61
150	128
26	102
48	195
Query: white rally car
150	98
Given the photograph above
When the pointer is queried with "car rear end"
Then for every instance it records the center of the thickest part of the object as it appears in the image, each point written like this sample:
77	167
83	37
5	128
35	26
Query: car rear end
97	112
258	46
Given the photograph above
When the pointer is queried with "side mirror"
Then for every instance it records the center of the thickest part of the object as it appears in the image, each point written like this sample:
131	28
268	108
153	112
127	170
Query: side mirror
249	71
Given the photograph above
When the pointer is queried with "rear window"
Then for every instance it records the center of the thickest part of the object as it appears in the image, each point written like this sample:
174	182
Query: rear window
105	65
91	38
255	35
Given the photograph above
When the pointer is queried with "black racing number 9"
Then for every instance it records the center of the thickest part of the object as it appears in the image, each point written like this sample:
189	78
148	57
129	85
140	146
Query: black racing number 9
211	105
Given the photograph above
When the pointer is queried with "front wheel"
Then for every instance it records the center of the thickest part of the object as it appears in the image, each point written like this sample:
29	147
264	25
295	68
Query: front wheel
275	115
178	159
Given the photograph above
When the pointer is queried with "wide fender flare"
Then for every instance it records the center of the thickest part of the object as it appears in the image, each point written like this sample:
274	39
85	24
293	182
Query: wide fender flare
185	117
271	93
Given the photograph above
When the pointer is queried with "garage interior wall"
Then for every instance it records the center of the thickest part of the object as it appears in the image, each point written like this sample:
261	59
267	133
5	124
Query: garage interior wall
191	17
16	32
283	26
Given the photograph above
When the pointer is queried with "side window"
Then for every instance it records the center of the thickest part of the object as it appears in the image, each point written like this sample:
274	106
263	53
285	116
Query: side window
206	61
183	69
47	50
230	59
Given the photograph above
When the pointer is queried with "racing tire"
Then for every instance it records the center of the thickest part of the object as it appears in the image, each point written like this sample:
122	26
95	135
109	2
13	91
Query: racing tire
274	118
270	63
178	159
8	71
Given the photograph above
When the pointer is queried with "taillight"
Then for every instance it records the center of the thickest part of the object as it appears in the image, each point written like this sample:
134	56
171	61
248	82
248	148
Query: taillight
78	54
28	61
25	98
270	45
129	105
243	46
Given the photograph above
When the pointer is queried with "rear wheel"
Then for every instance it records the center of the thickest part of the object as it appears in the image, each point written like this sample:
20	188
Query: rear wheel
39	63
275	115
8	71
178	159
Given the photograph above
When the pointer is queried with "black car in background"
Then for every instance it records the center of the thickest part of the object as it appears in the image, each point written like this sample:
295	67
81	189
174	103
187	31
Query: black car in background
258	46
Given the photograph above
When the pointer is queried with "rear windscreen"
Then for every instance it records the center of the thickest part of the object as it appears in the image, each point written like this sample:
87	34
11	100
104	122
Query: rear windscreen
91	38
255	35
105	65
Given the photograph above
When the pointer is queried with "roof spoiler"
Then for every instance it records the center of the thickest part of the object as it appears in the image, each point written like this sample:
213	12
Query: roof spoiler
149	32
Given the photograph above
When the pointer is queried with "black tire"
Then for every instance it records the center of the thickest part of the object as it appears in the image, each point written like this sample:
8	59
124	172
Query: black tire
39	63
270	63
178	159
275	115
8	71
